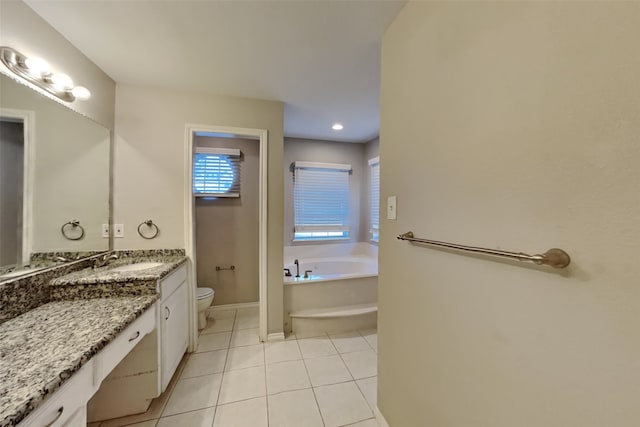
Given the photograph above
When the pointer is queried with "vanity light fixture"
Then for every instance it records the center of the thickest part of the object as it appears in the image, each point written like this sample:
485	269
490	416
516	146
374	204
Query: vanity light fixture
337	126
37	71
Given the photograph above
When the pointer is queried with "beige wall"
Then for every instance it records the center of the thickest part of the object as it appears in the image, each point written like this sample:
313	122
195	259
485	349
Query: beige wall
227	230
512	126
149	167
296	149
22	29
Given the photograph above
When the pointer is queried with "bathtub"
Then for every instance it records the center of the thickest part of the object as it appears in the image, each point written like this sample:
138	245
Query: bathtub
340	294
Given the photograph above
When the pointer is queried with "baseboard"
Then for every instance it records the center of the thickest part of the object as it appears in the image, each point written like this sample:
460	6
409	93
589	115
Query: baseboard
379	418
278	336
237	306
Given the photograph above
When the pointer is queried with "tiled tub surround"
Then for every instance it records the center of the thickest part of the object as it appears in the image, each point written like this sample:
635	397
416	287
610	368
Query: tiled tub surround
44	347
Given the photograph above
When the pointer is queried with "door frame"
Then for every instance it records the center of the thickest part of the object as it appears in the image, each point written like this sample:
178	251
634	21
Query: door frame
261	136
28	119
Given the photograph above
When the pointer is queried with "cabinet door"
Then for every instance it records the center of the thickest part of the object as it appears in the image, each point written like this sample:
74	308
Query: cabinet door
175	327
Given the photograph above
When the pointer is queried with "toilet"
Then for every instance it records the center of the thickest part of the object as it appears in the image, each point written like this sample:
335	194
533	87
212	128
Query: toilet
205	298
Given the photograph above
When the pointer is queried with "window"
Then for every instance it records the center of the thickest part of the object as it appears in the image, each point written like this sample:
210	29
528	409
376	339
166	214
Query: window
321	201
216	172
374	198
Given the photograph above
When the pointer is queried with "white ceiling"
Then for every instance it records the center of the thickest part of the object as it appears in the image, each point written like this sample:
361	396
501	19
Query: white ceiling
322	58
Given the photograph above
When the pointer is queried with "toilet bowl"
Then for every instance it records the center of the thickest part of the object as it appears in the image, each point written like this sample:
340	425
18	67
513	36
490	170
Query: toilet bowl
205	298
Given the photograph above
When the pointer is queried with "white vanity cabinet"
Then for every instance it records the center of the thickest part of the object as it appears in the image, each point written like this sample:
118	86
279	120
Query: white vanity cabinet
174	323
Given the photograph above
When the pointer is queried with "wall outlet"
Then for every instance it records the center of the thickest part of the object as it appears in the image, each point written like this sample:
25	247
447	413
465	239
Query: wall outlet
118	230
391	207
105	230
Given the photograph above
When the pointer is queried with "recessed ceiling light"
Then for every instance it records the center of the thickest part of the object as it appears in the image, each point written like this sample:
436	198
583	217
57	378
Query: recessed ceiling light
337	126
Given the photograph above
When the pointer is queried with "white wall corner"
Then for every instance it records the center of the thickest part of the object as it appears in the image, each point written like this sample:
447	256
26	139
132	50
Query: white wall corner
380	418
276	336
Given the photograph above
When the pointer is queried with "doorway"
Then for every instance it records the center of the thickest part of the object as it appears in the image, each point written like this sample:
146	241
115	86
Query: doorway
199	135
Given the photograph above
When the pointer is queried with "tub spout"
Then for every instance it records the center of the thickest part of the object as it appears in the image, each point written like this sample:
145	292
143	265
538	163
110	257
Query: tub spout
297	267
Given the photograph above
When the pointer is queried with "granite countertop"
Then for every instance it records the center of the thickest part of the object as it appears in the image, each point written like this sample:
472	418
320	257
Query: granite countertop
107	275
44	347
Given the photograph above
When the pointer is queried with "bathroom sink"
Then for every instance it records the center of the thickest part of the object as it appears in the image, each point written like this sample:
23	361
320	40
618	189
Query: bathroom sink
137	267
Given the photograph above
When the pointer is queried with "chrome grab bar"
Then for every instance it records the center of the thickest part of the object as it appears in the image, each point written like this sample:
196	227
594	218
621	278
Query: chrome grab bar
556	258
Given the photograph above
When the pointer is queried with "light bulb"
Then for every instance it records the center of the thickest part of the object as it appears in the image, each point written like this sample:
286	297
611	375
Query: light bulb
337	126
37	67
62	81
81	93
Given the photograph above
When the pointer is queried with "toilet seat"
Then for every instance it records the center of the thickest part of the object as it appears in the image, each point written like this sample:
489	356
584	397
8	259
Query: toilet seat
203	293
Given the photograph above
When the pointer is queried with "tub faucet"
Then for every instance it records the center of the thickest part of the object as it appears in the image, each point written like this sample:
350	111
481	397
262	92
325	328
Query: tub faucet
306	274
287	272
297	267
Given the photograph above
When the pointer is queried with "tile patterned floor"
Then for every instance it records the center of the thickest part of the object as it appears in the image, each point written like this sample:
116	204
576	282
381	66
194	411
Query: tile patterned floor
233	380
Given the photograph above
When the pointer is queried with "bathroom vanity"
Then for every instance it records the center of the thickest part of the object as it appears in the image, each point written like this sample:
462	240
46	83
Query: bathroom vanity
105	333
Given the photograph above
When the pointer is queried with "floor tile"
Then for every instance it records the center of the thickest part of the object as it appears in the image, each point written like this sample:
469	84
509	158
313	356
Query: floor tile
282	351
242	384
367	423
245	337
247	413
371	336
193	393
294	409
327	370
209	342
224	324
245	357
287	376
341	404
317	347
210	362
349	342
247	322
362	364
150	423
222	314
369	388
200	418
248	312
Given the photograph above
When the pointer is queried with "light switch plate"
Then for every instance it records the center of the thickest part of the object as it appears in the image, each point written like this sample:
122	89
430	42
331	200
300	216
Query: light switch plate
391	207
118	230
105	230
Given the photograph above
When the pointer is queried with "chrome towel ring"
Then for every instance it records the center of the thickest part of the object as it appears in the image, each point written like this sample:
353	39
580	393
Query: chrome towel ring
68	228
152	230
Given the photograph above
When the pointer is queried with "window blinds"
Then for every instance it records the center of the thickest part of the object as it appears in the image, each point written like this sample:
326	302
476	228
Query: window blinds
374	197
216	172
321	199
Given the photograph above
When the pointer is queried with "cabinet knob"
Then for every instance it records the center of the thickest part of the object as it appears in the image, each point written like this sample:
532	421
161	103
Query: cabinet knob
134	337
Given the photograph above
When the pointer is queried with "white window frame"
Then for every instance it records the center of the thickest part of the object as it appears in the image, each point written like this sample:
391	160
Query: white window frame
309	176
374	199
232	157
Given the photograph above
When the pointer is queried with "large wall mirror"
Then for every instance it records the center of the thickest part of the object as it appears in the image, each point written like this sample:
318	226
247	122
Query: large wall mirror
54	179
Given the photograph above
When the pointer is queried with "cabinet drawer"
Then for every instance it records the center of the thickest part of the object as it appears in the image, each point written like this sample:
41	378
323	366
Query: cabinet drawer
170	283
64	405
115	351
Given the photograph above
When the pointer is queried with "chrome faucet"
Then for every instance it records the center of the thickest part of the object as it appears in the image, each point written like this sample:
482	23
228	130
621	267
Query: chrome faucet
297	267
101	262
